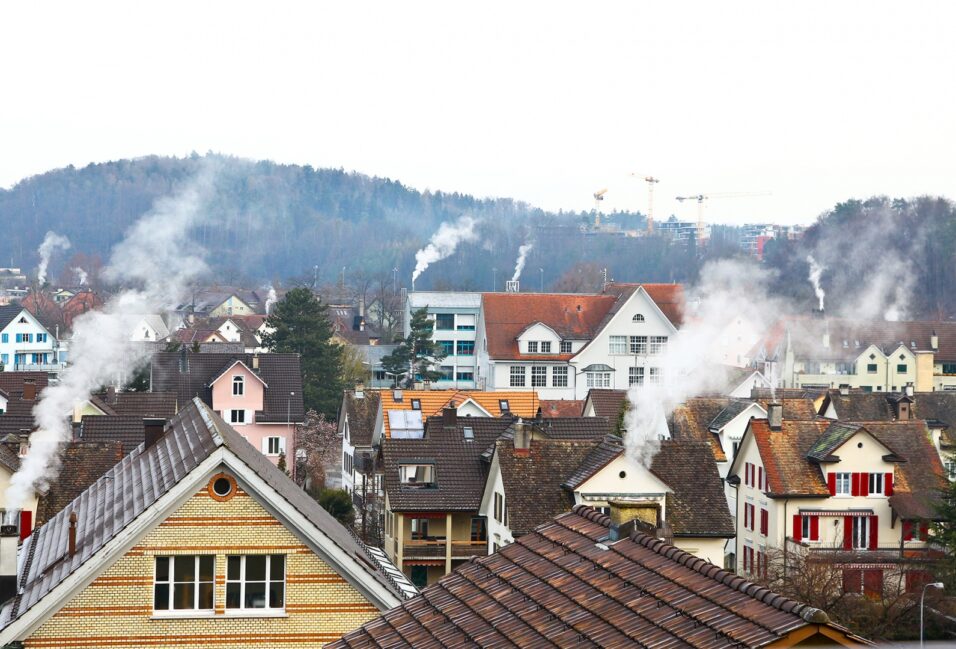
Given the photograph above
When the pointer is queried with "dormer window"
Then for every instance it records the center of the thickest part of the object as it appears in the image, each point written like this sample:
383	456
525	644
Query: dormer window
419	476
532	346
545	346
238	386
565	346
638	317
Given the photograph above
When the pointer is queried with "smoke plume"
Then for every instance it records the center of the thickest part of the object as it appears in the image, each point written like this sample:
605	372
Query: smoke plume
443	243
271	299
158	259
816	271
51	242
732	294
81	276
522	258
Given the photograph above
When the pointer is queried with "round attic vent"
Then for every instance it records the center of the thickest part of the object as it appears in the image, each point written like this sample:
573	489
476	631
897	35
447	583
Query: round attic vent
222	487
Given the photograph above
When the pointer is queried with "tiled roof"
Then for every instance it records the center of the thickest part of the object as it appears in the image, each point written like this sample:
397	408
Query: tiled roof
793	407
561	407
11	382
571	316
532	482
127	430
784	455
129	490
8	312
566	584
728	413
692	420
139	404
459	472
362	414
79	304
668	297
607	403
835	436
9	458
573	427
859	406
598	458
521	404
81	464
280	371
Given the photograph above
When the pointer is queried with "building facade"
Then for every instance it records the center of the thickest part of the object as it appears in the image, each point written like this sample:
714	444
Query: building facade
455	319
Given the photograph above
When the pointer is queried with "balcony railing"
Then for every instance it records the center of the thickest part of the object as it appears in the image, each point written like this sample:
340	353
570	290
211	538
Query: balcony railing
39	367
911	551
435	549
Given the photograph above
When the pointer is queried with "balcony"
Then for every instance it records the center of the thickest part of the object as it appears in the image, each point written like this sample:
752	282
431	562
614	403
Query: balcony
38	367
435	549
883	552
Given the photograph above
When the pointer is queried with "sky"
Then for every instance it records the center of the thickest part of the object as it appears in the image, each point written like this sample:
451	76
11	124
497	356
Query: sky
798	105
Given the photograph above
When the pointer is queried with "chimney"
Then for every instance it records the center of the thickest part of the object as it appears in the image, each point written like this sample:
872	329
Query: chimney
153	429
29	389
255	362
775	416
360	390
626	516
23	443
522	438
362	308
909	389
111	395
934	341
844	389
449	417
72	540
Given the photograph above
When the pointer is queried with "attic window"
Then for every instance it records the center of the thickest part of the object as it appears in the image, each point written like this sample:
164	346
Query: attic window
468	432
418	476
902	357
872	357
22	321
638	317
416	404
503	405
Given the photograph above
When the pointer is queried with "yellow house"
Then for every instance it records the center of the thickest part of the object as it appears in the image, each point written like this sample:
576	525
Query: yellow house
194	540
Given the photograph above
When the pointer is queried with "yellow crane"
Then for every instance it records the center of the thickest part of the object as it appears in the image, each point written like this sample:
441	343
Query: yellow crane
651	181
598	197
700	198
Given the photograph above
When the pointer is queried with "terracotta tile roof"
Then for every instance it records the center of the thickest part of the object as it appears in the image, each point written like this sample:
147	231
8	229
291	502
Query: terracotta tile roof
79	304
793	407
561	407
567	584
362	414
784	456
691	422
459	471
668	297
606	403
521	404
81	464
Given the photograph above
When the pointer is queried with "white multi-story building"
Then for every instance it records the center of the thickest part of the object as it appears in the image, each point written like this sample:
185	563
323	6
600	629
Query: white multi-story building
455	318
25	344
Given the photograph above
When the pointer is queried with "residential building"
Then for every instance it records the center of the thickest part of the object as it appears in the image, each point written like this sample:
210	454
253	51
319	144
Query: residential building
563	345
549	408
360	415
876	356
860	495
150	327
194	539
26	344
587	579
115	402
259	394
455	317
219	301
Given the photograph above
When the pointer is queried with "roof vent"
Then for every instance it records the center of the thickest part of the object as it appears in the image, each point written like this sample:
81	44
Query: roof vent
397	396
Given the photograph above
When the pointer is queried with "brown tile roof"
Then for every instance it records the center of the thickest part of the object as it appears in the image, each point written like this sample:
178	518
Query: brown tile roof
574	427
11	382
79	304
561	407
81	464
784	456
127	430
139	404
793	407
691	420
521	404
607	403
362	414
858	406
459	471
566	584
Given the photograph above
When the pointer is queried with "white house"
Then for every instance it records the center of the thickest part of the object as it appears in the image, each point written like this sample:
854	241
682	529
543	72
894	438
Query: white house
455	318
25	344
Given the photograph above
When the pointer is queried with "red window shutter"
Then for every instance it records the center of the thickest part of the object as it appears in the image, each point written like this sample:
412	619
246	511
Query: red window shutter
26	523
924	531
764	522
847	532
797	527
760	478
907	530
852	581
888	484
864	484
874	531
814	528
873	583
855	484
831	483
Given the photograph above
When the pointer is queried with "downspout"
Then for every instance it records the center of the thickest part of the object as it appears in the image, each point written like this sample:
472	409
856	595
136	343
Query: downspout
786	557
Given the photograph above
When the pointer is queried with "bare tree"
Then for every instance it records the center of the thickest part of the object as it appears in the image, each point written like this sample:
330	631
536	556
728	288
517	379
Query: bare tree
318	452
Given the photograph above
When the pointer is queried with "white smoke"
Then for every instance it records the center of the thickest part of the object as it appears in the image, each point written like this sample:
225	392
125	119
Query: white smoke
81	275
816	271
271	299
159	259
730	292
51	242
443	243
522	258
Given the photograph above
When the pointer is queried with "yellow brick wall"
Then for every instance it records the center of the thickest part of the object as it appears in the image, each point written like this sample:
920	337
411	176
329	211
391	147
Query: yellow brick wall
116	609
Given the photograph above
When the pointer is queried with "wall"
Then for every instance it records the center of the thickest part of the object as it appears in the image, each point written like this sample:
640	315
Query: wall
706	548
12	347
608	483
116	609
223	401
498	533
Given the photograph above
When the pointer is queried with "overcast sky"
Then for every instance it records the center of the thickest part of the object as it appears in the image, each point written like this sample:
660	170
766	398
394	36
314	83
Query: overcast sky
813	102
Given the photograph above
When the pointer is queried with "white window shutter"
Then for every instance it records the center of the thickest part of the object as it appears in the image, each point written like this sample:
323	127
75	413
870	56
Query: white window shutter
282	444
265	445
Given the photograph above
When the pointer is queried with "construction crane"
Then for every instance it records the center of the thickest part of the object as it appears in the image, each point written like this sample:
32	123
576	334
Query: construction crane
700	198
598	197
651	181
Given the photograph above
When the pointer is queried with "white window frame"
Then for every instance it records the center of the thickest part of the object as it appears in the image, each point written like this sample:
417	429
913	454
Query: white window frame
171	583
559	376
844	479
532	346
635	376
268	580
279	442
539	376
545	346
876	480
638	345
566	347
238	385
515	373
861	531
237	417
655	375
429	472
616	345
657	345
598	379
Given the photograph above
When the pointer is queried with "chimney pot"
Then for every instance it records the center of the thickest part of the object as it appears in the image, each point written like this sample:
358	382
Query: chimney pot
522	437
72	539
844	389
775	416
153	429
111	395
627	516
934	341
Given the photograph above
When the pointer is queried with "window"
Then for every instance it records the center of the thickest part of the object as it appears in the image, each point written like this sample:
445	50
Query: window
465	348
736	447
517	376
417	475
638	317
566	348
237	416
901	368
446	373
876	484
274	445
861	532
479	530
599	379
444	321
539	377
949	465
184	583
915	531
499	507
24	338
809	528
466	376
545	346
238	386
635	376
617	345
764	521
656	375
447	347
749	510
532	346
638	344
41	338
503	405
843	484
948	368
416	404
255	582
5	338
466	322
468	432
559	377
658	344
871	368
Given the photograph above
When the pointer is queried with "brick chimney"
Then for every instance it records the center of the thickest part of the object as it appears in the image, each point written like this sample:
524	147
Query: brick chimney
627	516
522	438
111	395
153	429
775	416
449	417
29	389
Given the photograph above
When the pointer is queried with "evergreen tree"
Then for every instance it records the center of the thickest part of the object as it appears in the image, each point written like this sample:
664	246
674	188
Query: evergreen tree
418	353
396	364
301	325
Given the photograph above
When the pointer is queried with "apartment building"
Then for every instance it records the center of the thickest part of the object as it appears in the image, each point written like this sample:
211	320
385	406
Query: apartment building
26	345
455	317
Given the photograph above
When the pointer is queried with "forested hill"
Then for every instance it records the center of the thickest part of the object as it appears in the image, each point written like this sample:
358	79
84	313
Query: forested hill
267	221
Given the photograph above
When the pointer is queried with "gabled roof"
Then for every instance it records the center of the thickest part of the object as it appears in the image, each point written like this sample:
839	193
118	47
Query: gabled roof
606	402
81	464
567	584
561	407
231	364
281	372
137	404
729	413
362	414
693	419
521	404
143	486
669	298
836	435
784	455
83	301
858	406
9	312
